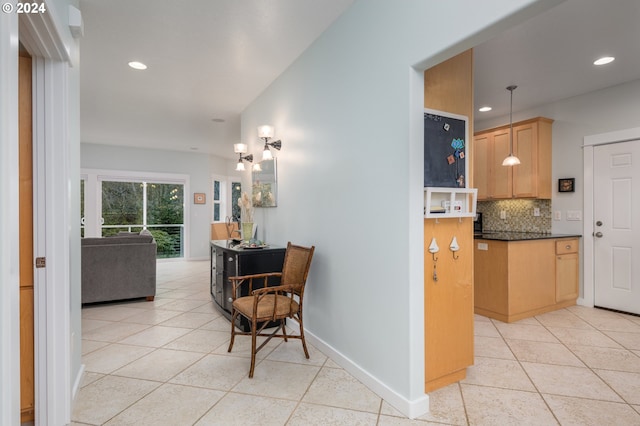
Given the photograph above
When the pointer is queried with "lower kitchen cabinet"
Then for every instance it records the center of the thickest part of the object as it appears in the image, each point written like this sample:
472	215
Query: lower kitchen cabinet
519	279
567	270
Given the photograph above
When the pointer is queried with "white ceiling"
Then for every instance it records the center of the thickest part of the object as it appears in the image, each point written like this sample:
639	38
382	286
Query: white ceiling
550	57
206	59
211	58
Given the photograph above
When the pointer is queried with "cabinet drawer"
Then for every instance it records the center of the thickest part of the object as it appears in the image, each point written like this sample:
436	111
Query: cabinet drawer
566	246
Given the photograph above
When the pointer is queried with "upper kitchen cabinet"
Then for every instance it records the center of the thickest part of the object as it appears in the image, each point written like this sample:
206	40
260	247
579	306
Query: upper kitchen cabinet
531	144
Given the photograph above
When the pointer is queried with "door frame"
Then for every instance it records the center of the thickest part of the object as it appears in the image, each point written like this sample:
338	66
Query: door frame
590	142
50	45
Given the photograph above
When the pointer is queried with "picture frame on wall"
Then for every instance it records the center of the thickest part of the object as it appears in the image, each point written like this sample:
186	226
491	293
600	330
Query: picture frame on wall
446	137
199	198
566	185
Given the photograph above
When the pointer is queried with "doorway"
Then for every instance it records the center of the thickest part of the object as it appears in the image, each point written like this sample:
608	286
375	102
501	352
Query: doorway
616	236
611	208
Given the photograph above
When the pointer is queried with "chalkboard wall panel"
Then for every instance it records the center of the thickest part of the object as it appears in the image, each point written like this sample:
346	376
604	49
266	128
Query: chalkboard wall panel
445	149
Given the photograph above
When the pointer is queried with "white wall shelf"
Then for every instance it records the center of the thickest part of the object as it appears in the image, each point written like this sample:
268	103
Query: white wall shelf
449	202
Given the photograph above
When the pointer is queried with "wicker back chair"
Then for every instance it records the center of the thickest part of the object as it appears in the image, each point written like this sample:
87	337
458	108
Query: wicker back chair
265	304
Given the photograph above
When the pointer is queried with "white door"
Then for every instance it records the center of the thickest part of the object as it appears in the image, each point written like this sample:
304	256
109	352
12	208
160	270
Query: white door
617	226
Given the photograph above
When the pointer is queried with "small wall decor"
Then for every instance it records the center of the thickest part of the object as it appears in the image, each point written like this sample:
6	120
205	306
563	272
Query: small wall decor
566	185
445	147
199	198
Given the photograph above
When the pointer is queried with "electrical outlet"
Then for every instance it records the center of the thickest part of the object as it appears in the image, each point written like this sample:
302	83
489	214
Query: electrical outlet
536	211
557	215
503	214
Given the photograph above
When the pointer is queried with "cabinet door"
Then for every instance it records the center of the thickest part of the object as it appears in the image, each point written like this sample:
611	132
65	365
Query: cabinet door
501	177
566	277
525	174
448	303
481	148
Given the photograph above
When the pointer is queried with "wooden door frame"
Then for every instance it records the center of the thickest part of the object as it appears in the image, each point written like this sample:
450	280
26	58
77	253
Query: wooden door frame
590	142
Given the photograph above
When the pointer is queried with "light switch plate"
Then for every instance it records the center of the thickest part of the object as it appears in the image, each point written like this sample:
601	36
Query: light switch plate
574	215
483	246
536	211
557	215
503	214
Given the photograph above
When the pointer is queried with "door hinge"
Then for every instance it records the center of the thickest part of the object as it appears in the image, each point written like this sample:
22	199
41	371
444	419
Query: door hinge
41	262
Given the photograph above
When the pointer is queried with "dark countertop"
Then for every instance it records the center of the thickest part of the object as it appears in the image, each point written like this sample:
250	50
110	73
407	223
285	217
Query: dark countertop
520	236
235	246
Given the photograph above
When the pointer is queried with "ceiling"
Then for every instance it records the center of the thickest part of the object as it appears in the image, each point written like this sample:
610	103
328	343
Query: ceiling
550	57
210	59
207	59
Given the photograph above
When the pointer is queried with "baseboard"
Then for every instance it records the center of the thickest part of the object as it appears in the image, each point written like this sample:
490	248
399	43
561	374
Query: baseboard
197	259
410	408
76	384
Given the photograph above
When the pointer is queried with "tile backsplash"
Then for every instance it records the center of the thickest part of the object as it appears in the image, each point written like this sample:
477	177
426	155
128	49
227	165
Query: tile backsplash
519	215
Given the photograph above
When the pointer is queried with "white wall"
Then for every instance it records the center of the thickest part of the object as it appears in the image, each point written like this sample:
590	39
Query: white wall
348	112
606	110
198	167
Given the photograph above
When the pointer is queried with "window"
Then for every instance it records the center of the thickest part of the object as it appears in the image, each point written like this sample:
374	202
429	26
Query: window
217	200
117	201
223	194
133	206
236	193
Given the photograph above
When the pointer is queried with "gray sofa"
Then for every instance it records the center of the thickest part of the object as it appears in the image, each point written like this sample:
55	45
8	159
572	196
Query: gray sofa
118	267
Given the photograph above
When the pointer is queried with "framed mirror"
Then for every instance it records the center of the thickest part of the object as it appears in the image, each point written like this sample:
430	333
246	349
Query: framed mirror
264	184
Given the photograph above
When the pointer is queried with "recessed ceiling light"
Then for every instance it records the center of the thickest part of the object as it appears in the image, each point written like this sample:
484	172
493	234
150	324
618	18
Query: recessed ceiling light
485	109
137	65
193	148
218	120
604	60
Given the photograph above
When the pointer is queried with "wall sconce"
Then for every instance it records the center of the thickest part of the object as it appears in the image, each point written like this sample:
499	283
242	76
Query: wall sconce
266	132
241	148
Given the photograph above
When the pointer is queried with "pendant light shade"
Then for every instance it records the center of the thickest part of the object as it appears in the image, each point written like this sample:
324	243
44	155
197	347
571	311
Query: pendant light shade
511	160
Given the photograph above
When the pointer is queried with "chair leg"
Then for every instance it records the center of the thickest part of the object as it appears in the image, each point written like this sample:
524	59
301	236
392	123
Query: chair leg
233	329
284	331
254	327
304	343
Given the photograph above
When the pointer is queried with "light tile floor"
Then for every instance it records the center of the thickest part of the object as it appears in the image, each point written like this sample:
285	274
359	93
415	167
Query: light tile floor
166	363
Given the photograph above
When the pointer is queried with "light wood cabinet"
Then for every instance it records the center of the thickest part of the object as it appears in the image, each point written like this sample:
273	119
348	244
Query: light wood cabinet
531	144
448	303
567	270
520	279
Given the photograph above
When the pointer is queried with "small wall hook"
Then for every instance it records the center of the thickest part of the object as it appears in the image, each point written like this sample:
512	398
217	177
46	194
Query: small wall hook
433	249
454	247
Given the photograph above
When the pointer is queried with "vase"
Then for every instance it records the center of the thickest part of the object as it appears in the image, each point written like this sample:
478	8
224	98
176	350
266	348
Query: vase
247	231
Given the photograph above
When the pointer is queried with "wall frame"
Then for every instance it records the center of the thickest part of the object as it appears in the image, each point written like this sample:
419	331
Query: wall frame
567	185
199	198
264	184
446	138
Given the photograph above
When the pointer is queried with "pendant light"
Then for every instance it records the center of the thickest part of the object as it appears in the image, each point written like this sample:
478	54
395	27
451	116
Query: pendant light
511	160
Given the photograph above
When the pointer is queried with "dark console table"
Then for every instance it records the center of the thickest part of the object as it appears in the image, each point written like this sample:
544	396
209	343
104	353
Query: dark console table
229	260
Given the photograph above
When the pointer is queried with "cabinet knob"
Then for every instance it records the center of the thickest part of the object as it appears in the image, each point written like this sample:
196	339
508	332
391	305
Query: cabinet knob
230	300
568	246
230	259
